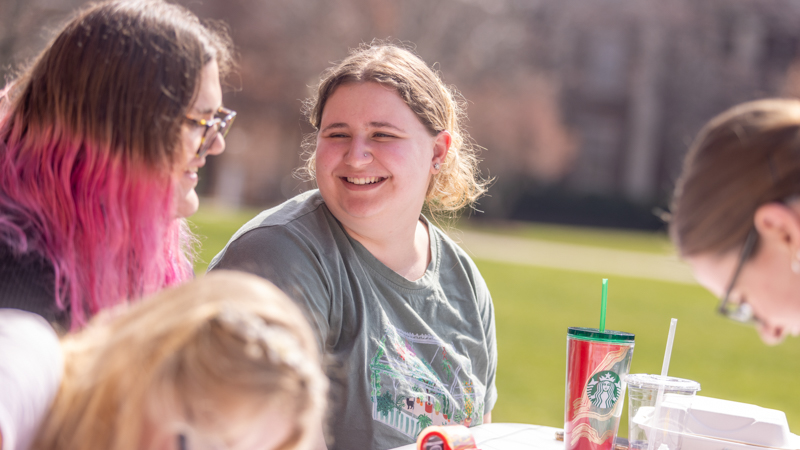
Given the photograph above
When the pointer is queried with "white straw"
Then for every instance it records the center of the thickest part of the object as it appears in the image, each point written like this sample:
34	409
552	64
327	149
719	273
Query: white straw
668	353
651	439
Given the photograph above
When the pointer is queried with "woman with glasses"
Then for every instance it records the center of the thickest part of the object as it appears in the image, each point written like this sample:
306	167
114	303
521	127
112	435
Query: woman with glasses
736	214
402	311
222	362
101	140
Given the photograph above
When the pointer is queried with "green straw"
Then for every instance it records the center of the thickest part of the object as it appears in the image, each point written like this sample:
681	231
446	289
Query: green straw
603	301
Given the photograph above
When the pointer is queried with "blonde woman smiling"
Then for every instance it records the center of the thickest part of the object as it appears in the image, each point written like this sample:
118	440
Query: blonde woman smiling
401	310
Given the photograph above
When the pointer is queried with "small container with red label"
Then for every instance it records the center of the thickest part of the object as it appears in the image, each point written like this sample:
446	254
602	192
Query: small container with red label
451	437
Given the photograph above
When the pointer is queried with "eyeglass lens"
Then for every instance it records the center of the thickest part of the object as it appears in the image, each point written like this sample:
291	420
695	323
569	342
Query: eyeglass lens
220	124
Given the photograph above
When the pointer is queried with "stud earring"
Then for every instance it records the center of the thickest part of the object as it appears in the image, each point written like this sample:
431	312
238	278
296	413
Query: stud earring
436	166
365	155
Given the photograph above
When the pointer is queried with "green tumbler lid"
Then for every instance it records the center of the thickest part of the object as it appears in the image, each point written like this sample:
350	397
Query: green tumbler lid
594	334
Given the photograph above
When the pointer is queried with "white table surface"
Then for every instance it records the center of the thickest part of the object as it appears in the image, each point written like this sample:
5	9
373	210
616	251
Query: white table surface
511	436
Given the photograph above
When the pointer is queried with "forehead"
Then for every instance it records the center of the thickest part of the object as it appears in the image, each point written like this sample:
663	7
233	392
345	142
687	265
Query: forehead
209	93
367	97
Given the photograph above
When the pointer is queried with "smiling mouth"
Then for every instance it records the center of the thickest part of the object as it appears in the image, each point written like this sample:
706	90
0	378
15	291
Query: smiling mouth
364	180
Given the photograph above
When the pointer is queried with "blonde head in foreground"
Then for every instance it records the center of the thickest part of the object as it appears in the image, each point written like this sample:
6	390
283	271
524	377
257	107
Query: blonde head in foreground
225	361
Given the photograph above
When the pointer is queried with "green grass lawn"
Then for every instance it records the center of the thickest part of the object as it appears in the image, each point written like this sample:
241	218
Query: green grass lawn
534	307
640	241
214	226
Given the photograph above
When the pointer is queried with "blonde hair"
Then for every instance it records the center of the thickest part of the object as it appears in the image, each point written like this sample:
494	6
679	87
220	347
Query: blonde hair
745	157
438	107
225	345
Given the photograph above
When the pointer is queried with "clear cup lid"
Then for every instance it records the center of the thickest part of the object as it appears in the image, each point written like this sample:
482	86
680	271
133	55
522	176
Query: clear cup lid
649	381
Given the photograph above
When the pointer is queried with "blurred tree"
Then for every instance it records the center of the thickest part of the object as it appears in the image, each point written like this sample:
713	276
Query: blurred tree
595	97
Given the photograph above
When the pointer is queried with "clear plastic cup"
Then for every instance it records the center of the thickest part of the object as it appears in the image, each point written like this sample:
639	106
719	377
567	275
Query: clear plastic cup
597	363
642	395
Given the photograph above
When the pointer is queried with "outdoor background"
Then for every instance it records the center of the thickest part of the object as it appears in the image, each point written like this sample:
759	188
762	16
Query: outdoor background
545	278
585	109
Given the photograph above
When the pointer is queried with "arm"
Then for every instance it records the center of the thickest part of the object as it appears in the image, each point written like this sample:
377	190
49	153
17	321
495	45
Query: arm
31	366
488	321
285	259
293	265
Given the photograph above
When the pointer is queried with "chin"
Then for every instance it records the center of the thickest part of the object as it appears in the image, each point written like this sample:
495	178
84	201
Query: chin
186	206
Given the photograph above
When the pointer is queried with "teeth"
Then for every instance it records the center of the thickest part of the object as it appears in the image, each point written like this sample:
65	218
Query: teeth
366	180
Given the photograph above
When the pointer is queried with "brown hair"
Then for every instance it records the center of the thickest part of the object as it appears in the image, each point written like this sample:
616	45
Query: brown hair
120	75
193	358
745	157
88	137
458	183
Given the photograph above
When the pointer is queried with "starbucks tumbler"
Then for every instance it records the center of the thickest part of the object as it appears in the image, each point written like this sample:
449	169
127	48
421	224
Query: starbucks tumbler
597	363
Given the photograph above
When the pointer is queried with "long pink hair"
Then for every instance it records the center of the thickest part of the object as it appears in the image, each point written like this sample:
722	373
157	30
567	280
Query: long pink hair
88	140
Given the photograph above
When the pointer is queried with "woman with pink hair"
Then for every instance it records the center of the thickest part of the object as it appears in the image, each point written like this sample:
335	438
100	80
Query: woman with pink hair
100	143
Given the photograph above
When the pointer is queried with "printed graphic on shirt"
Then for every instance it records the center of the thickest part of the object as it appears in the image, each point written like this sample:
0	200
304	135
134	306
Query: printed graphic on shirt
417	380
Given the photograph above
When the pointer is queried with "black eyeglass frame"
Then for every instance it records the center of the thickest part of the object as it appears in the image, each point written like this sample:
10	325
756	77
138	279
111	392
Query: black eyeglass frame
217	124
182	442
740	312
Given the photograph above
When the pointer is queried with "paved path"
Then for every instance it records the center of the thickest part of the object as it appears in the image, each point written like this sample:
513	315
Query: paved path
574	257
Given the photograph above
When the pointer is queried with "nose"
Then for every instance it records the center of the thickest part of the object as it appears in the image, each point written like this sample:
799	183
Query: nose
358	154
771	334
218	146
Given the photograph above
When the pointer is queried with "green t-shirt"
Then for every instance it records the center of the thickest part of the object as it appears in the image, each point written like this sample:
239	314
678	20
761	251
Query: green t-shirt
403	354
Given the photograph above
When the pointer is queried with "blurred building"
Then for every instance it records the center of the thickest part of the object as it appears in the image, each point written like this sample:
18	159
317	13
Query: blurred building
589	97
641	77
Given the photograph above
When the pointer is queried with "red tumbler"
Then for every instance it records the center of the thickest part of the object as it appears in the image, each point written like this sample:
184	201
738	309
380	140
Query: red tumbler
597	362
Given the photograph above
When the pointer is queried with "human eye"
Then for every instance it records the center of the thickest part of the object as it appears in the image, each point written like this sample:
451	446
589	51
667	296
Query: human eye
336	132
383	135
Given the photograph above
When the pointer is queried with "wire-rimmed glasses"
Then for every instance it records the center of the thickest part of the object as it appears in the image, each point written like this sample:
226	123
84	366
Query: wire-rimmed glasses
221	123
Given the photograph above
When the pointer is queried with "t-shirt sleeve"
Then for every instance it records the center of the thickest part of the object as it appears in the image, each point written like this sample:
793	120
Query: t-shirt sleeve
31	367
487	318
290	262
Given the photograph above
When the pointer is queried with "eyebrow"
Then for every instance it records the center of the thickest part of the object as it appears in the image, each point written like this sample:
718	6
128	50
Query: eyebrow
206	111
337	125
334	125
386	125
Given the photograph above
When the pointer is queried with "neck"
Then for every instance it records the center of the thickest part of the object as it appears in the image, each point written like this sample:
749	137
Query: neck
402	247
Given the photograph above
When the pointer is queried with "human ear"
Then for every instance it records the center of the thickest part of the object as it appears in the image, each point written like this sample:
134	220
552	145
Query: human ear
780	224
441	145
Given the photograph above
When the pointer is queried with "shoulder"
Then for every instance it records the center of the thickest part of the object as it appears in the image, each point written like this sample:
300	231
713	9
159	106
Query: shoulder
452	253
457	272
27	282
300	222
24	333
23	323
292	213
31	367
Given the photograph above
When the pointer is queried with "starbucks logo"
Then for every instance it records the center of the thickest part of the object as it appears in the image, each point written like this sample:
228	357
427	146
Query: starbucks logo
604	389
